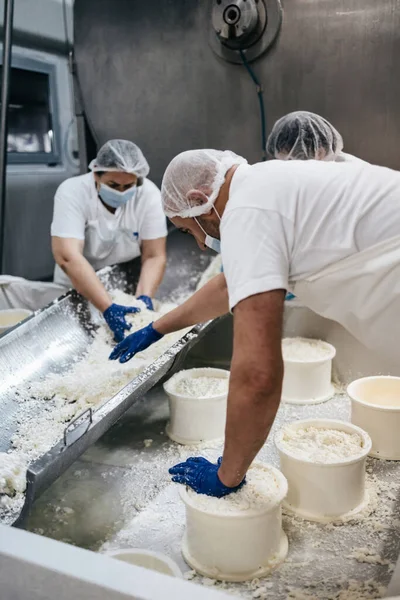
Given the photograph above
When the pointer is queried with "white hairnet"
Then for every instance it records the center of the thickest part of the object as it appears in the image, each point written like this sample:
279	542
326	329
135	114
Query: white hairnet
120	155
202	170
304	135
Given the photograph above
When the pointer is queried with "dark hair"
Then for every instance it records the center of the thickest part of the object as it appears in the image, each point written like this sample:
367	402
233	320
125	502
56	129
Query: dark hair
139	181
303	134
289	135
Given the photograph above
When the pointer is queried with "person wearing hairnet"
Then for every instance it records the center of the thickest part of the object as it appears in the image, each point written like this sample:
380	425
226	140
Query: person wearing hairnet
300	135
304	135
110	215
327	231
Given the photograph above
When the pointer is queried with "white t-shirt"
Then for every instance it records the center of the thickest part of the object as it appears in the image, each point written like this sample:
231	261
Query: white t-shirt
109	238
344	157
285	220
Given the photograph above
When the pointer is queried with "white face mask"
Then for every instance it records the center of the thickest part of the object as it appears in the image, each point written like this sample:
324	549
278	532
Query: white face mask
114	198
210	241
213	243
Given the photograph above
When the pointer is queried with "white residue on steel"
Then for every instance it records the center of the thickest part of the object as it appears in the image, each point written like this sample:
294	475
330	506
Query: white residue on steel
95	378
12	482
90	381
12	474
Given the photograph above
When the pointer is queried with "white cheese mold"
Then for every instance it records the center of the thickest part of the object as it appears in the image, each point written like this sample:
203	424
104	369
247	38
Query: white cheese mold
308	371
238	537
155	561
375	406
324	463
197	404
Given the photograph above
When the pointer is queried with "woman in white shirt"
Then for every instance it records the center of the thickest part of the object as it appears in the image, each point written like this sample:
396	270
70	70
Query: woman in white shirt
304	135
110	215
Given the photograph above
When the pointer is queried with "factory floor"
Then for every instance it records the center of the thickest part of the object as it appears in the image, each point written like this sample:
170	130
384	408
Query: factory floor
118	495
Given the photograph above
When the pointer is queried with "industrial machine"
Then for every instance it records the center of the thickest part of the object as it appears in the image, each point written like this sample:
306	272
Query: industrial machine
172	76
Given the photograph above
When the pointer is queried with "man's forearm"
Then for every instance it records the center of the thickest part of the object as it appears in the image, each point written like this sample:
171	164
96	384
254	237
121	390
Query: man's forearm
151	276
255	383
86	282
210	302
252	407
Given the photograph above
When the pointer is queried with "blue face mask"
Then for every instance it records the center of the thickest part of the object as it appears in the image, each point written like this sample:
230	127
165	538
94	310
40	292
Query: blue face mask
211	242
114	198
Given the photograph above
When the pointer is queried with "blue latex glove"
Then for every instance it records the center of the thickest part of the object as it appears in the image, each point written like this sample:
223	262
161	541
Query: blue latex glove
115	319
202	476
289	296
134	343
147	300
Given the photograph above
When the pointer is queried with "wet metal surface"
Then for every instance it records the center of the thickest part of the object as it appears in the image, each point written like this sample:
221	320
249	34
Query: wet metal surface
52	339
119	495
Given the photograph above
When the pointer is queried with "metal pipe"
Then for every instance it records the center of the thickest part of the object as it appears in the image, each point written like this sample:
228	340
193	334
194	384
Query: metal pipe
5	93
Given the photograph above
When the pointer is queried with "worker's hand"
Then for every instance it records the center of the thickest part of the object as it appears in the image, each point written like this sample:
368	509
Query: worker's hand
115	319
202	476
134	343
147	301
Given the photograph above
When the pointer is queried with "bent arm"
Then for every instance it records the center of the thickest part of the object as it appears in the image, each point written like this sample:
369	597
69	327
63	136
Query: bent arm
68	254
210	302
255	382
154	260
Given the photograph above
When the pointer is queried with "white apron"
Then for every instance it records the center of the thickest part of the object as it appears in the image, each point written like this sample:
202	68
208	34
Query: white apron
16	292
105	246
362	293
111	246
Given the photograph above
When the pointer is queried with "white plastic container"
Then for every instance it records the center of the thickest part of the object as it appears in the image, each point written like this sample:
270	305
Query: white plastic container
236	546
375	406
12	316
196	419
325	492
147	559
309	381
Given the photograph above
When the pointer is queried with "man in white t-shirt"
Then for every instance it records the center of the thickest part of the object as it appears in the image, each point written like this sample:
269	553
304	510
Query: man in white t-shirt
110	215
329	232
300	135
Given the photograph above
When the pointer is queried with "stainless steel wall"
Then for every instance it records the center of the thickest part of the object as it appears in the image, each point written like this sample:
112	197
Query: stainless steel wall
148	74
39	35
31	188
